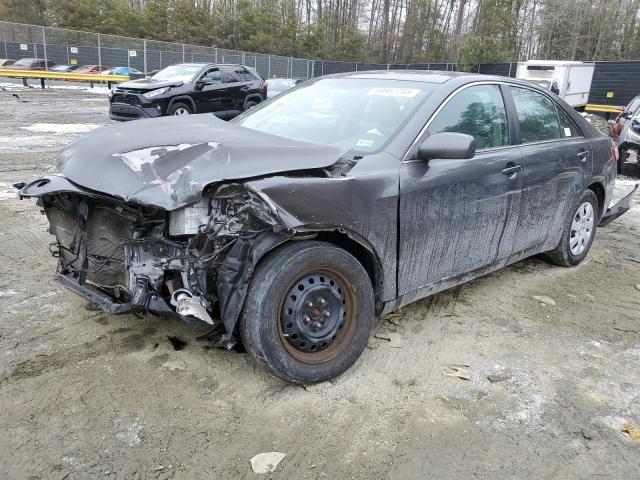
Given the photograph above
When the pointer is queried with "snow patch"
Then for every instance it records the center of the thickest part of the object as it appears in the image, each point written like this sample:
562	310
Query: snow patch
62	127
7	192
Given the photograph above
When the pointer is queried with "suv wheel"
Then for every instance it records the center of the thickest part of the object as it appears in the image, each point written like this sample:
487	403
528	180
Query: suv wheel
308	313
179	108
249	104
578	233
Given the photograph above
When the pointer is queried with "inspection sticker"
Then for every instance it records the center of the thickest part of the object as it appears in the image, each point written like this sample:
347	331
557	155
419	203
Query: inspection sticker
363	142
394	92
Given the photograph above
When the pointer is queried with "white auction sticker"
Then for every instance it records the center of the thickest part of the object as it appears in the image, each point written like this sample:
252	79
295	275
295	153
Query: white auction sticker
394	92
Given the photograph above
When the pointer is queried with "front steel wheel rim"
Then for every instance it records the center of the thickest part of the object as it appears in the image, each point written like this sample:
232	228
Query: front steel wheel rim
581	228
317	317
181	111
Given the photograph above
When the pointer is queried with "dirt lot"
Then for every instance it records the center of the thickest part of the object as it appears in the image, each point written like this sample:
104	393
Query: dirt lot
84	394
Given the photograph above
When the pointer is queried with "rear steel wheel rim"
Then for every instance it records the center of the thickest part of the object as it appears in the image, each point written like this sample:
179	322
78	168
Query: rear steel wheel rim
181	111
317	316
581	229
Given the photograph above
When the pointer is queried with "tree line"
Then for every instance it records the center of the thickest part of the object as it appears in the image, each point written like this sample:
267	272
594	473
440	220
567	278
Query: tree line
376	31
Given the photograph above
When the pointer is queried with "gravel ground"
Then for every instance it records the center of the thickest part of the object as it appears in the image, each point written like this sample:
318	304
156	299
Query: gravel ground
552	357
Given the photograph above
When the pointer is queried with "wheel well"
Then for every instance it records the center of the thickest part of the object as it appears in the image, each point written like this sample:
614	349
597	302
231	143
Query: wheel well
365	256
598	189
252	98
188	100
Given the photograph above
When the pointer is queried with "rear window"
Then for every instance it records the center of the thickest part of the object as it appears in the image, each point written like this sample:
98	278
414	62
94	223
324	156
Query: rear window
25	62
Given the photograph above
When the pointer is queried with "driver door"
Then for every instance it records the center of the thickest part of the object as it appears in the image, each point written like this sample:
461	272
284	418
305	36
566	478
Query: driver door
457	216
210	93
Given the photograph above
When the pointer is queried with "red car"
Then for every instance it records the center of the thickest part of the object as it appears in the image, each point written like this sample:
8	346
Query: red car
91	69
31	64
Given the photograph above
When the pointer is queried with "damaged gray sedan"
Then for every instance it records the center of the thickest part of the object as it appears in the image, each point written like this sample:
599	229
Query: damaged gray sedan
291	228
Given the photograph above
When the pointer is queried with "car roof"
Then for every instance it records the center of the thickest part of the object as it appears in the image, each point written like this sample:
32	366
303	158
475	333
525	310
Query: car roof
427	76
205	64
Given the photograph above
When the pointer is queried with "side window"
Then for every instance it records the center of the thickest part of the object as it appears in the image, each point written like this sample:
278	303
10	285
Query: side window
536	115
213	76
243	75
567	127
228	75
477	111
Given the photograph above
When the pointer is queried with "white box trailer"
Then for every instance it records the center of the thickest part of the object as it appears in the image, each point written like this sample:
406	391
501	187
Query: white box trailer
571	81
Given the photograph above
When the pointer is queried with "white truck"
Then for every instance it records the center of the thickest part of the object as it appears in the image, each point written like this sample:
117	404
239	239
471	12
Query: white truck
570	80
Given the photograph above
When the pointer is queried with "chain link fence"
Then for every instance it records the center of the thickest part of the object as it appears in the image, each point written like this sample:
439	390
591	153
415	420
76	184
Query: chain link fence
71	47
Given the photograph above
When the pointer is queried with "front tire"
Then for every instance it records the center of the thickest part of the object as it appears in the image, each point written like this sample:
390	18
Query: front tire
180	108
309	312
578	233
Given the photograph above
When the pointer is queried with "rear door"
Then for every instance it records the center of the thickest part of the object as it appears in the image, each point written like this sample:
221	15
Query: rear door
459	215
556	158
234	83
210	97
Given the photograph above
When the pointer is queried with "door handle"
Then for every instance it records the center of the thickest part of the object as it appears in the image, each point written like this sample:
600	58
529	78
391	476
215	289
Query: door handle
511	169
583	156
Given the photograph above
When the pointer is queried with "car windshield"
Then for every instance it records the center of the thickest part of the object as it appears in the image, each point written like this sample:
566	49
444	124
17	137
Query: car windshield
358	115
25	62
185	73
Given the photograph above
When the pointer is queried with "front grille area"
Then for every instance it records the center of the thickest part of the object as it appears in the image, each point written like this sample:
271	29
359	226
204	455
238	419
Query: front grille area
107	232
126	99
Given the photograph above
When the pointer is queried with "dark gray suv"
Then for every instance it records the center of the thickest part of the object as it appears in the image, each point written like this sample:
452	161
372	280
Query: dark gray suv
292	227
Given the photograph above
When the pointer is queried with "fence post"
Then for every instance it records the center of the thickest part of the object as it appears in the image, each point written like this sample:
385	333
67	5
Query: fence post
269	68
183	52
6	55
215	52
144	61
100	54
44	46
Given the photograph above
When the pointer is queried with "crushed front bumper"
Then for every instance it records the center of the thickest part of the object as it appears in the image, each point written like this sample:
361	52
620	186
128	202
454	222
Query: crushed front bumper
123	112
155	304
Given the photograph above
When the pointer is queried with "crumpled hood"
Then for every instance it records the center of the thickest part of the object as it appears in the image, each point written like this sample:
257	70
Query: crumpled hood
150	84
167	162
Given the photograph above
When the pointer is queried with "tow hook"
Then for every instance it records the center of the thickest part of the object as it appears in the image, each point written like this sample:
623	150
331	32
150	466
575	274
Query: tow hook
189	305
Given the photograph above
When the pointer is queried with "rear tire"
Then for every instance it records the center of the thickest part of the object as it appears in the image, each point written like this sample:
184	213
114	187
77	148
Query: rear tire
578	233
309	312
249	104
180	108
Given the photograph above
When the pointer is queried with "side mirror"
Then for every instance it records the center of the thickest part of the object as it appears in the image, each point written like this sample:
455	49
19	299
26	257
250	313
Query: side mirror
626	115
447	146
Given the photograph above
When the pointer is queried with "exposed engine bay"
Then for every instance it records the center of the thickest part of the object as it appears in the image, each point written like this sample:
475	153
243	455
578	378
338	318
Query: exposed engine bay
195	262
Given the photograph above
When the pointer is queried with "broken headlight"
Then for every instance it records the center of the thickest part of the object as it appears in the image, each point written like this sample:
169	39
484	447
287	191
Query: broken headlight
156	92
